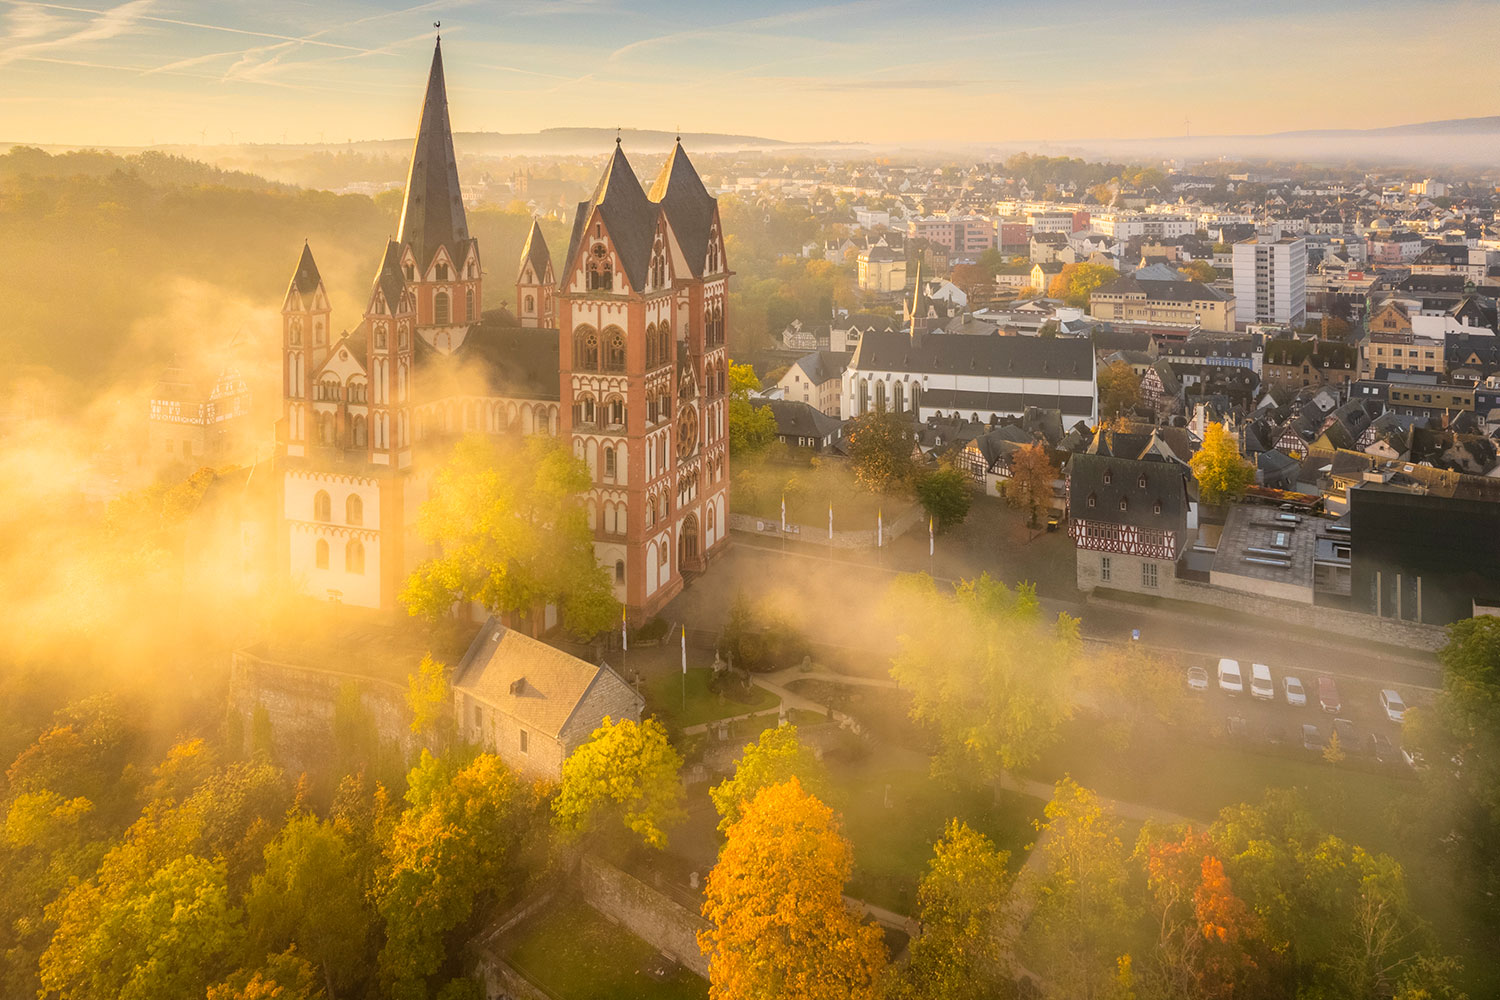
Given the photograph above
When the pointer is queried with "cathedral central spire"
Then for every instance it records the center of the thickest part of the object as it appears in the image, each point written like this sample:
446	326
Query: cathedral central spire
433	214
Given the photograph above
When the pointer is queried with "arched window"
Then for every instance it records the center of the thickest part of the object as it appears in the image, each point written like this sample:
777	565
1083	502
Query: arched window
586	349
659	264
713	249
322	507
614	350
898	398
354	510
609	462
440	311
651	346
619	571
354	556
469	305
916	398
864	396
530	304
601	274
880	397
321	554
358	430
614	415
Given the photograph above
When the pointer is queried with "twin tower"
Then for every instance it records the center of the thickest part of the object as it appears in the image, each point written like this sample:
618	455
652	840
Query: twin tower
620	350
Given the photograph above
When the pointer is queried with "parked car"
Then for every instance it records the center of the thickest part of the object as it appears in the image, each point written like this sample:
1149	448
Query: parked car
1348	739
1380	747
1296	694
1260	682
1311	738
1231	681
1328	695
1197	679
1052	523
1395	708
1413	758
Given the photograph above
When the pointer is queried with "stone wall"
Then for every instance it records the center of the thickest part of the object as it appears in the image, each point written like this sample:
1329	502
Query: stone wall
666	925
300	703
817	534
1334	620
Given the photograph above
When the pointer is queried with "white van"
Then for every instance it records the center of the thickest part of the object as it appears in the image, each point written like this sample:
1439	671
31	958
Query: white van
1260	682
1231	680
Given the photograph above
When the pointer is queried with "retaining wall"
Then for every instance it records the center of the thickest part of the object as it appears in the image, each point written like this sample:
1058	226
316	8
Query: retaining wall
661	922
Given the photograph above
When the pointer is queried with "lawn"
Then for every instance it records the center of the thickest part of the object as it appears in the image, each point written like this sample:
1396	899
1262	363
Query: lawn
575	954
893	832
664	696
759	489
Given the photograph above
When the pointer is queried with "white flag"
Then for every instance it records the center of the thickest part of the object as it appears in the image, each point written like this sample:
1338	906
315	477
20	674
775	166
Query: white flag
684	650
783	513
624	639
830	522
929	536
880	529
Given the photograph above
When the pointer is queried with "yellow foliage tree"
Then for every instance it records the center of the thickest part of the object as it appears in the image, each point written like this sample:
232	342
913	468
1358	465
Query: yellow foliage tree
1221	473
779	925
626	772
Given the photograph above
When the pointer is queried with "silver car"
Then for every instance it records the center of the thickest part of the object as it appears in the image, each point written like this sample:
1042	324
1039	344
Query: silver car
1296	694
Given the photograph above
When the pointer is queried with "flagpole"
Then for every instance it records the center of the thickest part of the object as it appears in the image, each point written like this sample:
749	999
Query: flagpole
783	523
684	668
879	533
830	529
931	549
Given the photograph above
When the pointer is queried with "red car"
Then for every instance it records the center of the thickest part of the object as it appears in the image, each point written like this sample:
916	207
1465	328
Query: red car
1328	695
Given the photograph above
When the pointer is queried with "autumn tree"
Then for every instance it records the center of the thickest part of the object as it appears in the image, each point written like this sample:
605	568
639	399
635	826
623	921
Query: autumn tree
286	976
1076	282
1032	475
1221	473
880	450
626	775
985	669
1199	270
1143	689
510	523
1119	390
752	429
963	952
946	494
774	758
428	695
310	896
1079	928
778	922
466	834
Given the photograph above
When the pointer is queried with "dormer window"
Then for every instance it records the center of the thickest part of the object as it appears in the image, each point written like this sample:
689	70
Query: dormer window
1124	504
1107	477
1158	506
1143	480
1093	500
442	272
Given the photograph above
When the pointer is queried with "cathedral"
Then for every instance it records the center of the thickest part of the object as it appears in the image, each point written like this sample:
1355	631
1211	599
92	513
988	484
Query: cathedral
618	347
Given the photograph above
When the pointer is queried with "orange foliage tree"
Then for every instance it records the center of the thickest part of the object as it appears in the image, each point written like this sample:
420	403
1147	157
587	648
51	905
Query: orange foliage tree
779	926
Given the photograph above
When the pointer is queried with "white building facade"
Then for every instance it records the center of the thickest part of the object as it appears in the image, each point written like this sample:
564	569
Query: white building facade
1270	281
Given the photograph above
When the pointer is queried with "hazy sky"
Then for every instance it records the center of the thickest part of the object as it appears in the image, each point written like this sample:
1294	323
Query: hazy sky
138	71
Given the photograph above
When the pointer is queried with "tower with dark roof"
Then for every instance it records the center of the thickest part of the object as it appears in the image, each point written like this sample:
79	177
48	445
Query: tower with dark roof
305	318
438	258
536	281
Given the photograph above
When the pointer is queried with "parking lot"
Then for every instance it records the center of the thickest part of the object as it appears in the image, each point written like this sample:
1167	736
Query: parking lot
1275	721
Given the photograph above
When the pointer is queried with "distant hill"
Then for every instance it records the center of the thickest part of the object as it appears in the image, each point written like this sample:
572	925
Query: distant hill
1489	125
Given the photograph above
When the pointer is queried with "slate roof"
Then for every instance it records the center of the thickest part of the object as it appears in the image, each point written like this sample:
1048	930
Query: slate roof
433	214
1164	291
823	366
628	214
515	361
1166	484
529	680
306	278
388	276
535	252
795	418
1028	357
690	208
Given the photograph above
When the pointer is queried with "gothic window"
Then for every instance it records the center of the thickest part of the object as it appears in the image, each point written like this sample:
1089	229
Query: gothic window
609	463
354	510
864	396
601	274
401	338
354	556
614	350
440	314
469	305
318	333
713	250
586	349
442	272
530	304
916	398
879	397
898	400
619	571
321	554
322	507
357	429
659	263
651	346
380	336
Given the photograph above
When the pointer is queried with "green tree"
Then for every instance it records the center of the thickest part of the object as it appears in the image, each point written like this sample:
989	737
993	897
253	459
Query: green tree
1079	929
963	952
776	756
626	774
983	668
1076	282
465	835
1119	390
429	694
752	429
310	896
946	495
1221	473
880	451
511	524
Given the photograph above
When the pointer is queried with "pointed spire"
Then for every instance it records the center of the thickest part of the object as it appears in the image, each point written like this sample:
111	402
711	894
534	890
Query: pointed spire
535	252
433	214
628	214
306	278
690	208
